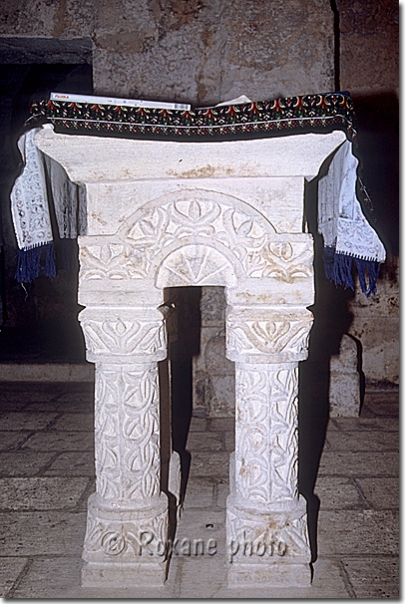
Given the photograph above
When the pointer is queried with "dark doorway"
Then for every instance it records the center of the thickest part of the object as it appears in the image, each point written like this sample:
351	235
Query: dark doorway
38	320
184	328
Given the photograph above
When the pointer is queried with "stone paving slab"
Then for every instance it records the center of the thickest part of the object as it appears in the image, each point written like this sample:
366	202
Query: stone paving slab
77	394
381	398
381	493
133	593
230	441
11	440
24	463
60	441
337	492
26	421
357	424
327	583
47	372
384	408
331	426
205	441
357	486
199	493
359	463
374	577
366	440
214	464
202	577
203	524
196	578
365	412
19	392
60	578
206	578
10	569
50	397
198	424
61	406
18	405
33	533
72	463
17	386
50	577
74	422
222	424
353	532
41	493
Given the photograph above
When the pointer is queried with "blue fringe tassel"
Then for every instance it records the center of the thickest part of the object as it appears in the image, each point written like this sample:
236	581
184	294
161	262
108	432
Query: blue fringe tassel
338	267
373	270
339	270
34	262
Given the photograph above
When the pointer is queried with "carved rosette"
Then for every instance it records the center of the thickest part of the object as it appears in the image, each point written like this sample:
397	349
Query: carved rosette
276	335
197	265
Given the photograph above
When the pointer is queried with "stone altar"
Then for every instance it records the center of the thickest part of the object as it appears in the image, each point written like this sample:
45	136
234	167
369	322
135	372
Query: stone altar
168	214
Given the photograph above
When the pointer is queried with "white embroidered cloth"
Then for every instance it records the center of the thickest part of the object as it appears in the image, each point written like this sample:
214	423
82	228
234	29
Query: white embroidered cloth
341	221
29	200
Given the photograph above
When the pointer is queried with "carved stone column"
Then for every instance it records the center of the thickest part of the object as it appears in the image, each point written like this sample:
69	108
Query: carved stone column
266	518
127	516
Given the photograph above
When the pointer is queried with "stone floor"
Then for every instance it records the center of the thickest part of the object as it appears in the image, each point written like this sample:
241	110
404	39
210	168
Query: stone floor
47	474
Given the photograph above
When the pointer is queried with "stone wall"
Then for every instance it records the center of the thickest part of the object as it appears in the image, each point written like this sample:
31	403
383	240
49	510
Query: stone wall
368	46
196	51
204	52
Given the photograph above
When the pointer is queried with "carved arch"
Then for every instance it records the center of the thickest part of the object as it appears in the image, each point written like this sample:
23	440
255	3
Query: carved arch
196	237
196	209
210	221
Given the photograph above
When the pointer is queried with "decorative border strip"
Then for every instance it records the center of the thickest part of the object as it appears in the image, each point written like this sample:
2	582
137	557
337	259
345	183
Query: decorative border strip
303	113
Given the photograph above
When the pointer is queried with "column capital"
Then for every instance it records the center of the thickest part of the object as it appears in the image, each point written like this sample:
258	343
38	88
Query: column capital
124	335
272	335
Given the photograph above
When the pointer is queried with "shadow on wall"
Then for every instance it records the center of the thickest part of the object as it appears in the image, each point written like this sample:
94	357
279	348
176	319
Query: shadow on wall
332	319
377	118
183	330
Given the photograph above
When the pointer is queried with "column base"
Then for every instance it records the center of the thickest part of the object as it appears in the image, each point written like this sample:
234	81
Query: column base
125	545
267	546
